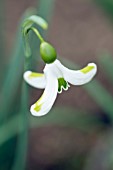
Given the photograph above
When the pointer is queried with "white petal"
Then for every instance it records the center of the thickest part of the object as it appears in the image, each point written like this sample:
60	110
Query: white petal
36	80
78	77
45	103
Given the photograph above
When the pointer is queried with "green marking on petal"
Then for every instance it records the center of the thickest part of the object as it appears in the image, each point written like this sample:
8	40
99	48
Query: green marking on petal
38	108
37	105
62	84
87	69
32	75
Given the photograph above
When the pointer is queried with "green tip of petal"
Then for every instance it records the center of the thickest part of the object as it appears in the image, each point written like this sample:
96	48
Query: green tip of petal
62	84
38	108
87	69
33	74
38	104
47	52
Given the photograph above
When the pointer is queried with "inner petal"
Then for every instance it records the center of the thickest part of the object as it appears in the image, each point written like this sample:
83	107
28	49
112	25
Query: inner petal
62	84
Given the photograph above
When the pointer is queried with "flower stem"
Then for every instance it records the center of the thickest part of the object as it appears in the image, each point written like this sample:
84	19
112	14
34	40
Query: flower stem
37	33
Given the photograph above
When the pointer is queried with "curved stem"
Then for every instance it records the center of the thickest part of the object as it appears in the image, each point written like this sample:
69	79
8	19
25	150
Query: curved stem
26	40
37	33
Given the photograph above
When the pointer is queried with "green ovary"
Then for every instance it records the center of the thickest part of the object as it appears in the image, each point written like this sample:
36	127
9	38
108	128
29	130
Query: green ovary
48	52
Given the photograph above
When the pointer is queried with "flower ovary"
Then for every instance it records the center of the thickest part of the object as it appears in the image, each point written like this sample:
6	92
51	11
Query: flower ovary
47	52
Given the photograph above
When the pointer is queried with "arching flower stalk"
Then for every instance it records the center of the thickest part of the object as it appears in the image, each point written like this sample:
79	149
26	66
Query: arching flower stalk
55	78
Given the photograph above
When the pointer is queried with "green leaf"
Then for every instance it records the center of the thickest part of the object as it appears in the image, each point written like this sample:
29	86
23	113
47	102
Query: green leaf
107	6
13	76
2	41
101	96
106	61
10	96
20	158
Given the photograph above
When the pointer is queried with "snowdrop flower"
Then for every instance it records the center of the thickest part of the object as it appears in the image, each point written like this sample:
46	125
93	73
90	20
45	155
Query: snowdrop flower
54	79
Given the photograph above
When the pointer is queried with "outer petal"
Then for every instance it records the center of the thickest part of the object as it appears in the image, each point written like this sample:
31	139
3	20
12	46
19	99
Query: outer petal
78	77
46	101
36	80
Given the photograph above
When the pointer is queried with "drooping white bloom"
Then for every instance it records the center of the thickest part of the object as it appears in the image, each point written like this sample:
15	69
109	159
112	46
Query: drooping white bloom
55	78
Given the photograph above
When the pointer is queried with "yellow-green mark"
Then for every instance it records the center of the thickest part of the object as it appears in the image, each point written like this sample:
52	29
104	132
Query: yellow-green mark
37	105
87	69
33	74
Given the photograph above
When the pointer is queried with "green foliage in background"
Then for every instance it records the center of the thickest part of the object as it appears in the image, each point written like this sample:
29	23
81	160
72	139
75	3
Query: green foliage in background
106	6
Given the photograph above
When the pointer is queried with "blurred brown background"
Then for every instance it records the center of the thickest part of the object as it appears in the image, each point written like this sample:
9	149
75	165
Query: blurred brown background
80	32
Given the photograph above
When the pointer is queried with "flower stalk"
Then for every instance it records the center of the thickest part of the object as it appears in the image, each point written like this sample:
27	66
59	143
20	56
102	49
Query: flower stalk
37	33
27	26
